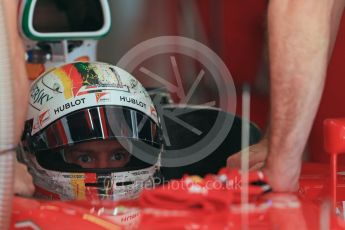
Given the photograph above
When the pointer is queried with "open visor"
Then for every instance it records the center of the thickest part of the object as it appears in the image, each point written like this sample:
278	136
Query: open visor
131	128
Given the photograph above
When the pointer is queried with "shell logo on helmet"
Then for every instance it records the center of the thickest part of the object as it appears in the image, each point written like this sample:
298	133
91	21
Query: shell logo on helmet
100	96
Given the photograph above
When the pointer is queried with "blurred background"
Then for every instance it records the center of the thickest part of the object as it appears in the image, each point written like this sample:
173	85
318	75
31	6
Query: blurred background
232	29
236	31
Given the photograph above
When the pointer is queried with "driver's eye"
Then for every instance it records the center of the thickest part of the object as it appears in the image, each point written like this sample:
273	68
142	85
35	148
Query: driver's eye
85	158
118	156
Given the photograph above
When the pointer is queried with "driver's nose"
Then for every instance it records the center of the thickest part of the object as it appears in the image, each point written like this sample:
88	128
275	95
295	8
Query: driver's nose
102	160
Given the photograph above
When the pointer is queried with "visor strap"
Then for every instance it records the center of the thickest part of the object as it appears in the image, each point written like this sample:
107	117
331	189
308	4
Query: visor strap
10	149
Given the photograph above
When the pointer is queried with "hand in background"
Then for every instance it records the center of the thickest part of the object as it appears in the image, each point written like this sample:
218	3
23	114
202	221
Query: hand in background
282	175
257	156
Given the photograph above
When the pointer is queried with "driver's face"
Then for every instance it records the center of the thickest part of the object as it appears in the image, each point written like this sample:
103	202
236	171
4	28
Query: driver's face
97	154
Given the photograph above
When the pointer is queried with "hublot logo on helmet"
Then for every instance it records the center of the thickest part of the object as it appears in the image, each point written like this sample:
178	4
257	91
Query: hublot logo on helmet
69	105
133	101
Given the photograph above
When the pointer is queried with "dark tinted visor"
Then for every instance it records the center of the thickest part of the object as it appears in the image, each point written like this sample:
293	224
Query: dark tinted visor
104	122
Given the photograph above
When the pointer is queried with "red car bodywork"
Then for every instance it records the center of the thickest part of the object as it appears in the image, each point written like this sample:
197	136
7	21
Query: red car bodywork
312	207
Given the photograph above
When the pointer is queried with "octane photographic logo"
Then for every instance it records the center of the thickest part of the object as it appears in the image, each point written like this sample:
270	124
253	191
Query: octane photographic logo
210	66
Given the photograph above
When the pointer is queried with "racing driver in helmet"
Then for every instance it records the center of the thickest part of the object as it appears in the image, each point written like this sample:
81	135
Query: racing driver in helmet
92	131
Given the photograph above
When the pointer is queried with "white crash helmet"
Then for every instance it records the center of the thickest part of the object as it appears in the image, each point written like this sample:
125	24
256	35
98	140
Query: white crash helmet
82	102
